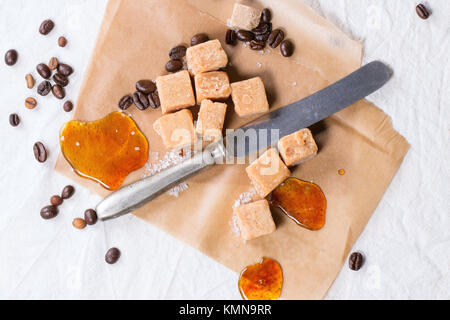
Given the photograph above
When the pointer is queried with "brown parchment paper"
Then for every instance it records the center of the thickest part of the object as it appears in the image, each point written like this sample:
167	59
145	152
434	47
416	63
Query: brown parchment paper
133	44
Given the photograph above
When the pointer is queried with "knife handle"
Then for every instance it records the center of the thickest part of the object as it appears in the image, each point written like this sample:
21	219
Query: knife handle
134	196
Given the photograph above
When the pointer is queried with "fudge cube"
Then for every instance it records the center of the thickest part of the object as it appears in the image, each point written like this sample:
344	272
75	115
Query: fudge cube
249	97
204	57
297	147
212	85
254	220
211	119
176	129
268	172
245	17
175	91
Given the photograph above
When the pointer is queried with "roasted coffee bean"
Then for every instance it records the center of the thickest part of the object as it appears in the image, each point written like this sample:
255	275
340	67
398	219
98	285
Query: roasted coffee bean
178	53
90	216
154	101
140	100
174	66
263	28
62	42
112	256
49	212
356	261
58	92
68	106
61	79
262	37
79	223
244	35
145	86
65	69
275	38
257	45
199	38
53	63
40	153
67	192
287	48
11	57
230	37
422	11
46	27
266	15
125	102
44	71
56	200
30	103
44	88
30	81
14	120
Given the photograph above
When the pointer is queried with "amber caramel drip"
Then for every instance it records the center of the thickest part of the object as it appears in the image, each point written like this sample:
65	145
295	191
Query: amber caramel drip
261	281
303	202
105	151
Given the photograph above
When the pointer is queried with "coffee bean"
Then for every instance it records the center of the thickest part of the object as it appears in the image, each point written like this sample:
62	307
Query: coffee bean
112	256
154	101
178	53
262	37
257	45
56	200
14	120
287	48
49	212
174	66
199	38
11	57
356	261
53	63
60	79
65	69
230	37
44	71
275	38
422	11
140	100
68	106
46	27
79	223
90	216
262	28
30	103
44	88
58	92
40	153
30	81
266	15
67	192
62	42
244	35
125	102
145	86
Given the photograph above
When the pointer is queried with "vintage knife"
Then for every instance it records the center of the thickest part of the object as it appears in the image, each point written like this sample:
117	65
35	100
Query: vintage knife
287	120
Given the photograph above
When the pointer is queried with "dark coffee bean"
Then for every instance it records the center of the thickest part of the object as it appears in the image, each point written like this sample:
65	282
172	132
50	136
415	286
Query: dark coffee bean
244	35
422	11
30	103
11	57
178	53
68	106
266	15
49	212
53	63
112	256
62	42
174	66
67	192
46	27
230	37
44	88
154	101
90	216
56	201
287	48
262	28
40	153
356	261
44	71
257	45
58	92
60	79
65	69
262	37
145	86
199	38
140	100
14	120
125	102
275	38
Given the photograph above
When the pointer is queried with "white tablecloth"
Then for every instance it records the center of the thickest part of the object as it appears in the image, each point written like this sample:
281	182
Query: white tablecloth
406	243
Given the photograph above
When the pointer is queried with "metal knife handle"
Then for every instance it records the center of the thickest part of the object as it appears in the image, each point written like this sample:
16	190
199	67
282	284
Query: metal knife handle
134	196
